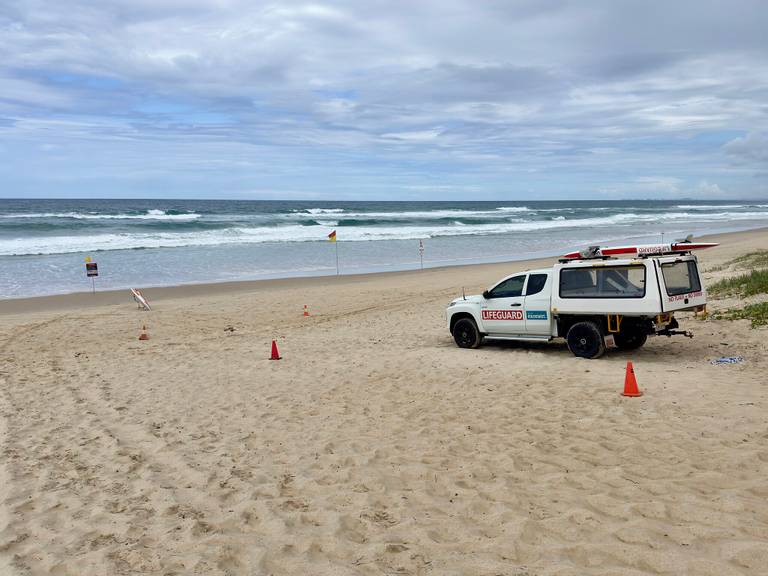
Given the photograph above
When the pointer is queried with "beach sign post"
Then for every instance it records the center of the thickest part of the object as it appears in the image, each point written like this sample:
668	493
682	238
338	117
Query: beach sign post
332	238
421	253
91	271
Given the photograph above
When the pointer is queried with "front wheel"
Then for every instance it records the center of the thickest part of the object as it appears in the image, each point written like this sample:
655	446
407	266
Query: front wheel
585	340
466	334
629	339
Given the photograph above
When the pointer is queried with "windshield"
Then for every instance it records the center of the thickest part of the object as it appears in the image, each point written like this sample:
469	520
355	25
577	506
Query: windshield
681	277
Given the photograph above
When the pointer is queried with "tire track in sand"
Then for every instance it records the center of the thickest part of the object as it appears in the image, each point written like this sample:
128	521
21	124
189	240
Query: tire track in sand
76	456
6	517
5	480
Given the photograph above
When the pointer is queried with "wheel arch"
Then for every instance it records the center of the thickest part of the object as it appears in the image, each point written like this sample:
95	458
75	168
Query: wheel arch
565	322
463	314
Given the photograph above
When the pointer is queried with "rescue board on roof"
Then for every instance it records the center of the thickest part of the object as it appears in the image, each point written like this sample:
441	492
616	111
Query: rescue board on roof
640	250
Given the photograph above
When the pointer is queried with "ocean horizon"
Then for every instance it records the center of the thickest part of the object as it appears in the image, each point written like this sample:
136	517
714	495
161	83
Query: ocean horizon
144	243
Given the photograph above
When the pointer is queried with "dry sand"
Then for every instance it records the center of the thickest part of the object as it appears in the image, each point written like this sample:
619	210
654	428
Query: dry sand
375	446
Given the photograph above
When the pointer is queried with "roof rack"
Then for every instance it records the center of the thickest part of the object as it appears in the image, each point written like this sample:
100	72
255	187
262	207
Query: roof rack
566	260
670	253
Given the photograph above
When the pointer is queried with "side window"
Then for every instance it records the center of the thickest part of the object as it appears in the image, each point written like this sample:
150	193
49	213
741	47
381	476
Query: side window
509	288
535	284
603	282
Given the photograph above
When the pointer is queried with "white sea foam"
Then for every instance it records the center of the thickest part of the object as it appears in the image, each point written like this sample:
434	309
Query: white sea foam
416	215
321	211
711	206
148	215
299	233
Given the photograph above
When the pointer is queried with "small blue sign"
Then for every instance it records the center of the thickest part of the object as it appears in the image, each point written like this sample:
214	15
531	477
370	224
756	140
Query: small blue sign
536	315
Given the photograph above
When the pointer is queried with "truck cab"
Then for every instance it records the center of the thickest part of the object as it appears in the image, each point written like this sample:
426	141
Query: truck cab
591	302
519	305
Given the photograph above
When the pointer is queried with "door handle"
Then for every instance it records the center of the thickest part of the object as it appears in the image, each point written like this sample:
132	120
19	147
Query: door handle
515	304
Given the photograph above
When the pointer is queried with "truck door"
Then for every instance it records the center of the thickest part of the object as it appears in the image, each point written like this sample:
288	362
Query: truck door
502	312
680	283
538	317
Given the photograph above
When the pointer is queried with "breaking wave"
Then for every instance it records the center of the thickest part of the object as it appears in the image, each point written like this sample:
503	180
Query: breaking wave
360	231
148	215
713	206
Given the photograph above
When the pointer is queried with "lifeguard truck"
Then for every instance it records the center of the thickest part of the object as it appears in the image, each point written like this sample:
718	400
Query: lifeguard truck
594	298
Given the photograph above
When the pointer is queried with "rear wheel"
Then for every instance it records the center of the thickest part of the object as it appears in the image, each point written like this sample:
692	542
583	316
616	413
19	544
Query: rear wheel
585	340
466	334
630	339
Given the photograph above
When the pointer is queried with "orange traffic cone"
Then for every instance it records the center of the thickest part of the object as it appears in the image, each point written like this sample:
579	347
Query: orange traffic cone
630	383
144	335
306	310
275	354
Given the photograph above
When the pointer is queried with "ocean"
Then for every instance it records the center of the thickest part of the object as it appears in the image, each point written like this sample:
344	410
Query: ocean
140	243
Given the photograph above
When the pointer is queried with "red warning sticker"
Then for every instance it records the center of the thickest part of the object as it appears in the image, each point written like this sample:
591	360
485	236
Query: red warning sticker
502	314
678	297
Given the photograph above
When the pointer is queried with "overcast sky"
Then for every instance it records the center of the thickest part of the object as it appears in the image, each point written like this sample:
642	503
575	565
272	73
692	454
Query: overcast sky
380	99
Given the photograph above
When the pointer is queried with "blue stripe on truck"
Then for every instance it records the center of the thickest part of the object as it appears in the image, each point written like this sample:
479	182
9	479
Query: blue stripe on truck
536	315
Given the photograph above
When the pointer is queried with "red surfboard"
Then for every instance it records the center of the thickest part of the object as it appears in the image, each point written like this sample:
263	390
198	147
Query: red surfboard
644	249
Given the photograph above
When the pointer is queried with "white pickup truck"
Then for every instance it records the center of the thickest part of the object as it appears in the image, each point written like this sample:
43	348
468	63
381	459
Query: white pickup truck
591	299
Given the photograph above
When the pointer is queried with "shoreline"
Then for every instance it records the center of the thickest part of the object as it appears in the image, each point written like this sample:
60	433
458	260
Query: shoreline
75	300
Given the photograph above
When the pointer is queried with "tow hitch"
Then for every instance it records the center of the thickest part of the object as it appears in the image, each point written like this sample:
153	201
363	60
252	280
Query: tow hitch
669	333
669	330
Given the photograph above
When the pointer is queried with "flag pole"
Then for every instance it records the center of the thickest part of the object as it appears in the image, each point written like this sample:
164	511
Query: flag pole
332	238
337	257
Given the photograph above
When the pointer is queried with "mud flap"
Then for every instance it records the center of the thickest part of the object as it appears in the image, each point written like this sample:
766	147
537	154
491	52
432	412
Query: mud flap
610	342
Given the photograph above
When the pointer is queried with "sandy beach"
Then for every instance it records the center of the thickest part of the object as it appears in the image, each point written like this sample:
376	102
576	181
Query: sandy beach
375	446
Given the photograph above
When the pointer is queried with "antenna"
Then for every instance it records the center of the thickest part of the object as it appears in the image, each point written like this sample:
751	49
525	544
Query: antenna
463	295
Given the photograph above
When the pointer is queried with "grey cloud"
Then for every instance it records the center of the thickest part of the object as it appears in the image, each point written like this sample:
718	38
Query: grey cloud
447	82
752	148
531	83
619	64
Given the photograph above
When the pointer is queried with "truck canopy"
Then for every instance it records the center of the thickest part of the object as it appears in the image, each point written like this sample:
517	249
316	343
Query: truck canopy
641	286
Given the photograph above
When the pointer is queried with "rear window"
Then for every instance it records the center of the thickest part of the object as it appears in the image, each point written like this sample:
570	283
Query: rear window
536	284
681	277
603	282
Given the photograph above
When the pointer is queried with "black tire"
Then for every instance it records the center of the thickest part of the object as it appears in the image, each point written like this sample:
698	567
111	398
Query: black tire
630	339
585	340
466	334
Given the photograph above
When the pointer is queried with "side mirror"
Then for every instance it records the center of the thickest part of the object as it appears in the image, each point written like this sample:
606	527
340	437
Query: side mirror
486	294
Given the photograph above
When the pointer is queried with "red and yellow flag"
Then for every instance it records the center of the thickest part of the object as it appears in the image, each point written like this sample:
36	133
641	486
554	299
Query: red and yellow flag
332	236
